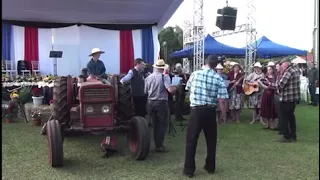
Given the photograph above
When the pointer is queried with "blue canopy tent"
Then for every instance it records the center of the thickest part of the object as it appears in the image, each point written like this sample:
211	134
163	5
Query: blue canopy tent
267	49
211	46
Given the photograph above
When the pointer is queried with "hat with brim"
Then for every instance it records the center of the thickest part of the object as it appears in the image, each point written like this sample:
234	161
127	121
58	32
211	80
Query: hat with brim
257	65
219	66
96	51
233	64
271	64
160	64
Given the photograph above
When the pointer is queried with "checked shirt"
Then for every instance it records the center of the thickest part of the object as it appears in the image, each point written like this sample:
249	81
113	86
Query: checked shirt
206	86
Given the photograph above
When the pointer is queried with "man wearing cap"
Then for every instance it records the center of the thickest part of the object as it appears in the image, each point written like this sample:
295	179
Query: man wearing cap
206	88
157	86
95	66
136	78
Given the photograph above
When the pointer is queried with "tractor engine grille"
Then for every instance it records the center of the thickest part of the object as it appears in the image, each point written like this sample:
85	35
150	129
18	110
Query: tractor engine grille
100	93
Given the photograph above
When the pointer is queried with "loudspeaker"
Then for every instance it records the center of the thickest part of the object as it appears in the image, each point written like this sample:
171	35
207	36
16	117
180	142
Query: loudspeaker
226	22
228	19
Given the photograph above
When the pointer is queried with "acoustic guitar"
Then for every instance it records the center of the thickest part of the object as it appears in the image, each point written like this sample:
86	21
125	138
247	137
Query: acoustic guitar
253	87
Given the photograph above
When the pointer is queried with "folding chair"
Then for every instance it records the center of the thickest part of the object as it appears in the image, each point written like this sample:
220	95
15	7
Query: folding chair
7	68
35	67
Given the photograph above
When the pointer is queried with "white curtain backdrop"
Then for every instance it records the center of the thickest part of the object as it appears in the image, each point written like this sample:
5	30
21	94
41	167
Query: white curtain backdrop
45	46
137	43
155	32
67	40
18	44
105	40
76	43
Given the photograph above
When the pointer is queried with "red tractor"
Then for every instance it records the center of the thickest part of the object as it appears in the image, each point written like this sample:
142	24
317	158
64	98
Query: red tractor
98	108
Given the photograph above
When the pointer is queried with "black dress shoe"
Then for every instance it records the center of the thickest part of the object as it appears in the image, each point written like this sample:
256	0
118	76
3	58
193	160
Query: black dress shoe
276	129
210	171
284	140
189	175
293	139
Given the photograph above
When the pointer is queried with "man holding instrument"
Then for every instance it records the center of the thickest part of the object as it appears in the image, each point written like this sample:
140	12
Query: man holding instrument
254	97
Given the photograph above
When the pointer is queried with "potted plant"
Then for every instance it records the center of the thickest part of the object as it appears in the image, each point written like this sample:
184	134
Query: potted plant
37	97
36	118
8	118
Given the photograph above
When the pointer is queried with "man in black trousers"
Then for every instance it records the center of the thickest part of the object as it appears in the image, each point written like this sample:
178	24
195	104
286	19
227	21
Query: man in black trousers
207	88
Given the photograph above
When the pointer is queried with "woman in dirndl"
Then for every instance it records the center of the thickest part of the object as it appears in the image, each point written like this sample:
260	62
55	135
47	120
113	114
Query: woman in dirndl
235	91
220	118
267	110
254	99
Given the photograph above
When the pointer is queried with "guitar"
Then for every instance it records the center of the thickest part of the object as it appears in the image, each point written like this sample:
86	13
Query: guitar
235	84
253	87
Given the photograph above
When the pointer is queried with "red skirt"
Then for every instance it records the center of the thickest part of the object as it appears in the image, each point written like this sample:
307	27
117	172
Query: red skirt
267	109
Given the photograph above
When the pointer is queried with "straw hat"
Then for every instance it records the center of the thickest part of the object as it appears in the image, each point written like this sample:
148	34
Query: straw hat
257	64
219	66
160	64
271	63
96	51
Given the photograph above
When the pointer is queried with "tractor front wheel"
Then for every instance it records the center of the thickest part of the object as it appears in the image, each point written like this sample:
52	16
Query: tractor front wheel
139	138
54	138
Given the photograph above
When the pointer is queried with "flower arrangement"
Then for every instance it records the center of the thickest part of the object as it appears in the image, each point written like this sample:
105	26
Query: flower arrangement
36	92
36	117
14	95
9	117
36	114
51	101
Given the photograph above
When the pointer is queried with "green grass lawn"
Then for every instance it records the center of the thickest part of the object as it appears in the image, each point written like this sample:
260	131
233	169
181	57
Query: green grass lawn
245	152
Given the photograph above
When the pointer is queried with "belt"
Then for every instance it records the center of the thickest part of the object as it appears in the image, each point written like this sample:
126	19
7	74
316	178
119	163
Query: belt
203	106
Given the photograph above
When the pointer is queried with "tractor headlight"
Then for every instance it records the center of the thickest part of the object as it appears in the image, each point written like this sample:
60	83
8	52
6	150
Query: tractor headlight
105	109
89	109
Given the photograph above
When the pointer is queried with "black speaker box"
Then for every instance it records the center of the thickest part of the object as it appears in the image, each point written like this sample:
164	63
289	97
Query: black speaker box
226	22
228	18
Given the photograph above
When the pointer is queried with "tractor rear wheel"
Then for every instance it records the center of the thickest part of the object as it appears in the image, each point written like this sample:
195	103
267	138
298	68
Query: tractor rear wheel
55	145
60	101
139	138
124	109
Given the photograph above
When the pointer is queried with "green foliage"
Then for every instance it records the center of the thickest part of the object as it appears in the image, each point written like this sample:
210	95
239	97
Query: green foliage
9	116
173	36
25	94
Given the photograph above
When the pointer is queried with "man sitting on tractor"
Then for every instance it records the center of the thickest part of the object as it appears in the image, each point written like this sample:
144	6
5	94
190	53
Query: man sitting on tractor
95	66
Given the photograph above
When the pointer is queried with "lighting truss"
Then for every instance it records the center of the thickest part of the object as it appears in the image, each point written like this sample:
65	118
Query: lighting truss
187	40
251	46
198	35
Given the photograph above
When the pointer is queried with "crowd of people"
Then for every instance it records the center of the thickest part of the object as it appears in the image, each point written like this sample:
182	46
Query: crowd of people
213	94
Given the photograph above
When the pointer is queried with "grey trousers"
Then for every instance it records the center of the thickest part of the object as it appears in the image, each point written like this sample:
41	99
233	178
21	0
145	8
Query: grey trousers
158	112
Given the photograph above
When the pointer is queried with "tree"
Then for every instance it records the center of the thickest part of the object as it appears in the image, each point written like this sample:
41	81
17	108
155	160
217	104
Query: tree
173	36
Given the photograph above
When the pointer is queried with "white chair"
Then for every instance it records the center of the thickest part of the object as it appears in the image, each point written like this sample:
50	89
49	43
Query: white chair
35	67
7	68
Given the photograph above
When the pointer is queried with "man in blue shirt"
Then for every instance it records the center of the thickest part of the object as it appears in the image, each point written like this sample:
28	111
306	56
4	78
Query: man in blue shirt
207	88
95	66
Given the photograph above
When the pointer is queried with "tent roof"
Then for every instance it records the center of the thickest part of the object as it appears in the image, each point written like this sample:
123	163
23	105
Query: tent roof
211	46
91	11
266	47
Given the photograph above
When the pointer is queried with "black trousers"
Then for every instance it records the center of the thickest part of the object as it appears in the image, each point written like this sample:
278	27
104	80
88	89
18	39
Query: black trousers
288	119
158	112
201	118
312	90
179	104
139	103
278	111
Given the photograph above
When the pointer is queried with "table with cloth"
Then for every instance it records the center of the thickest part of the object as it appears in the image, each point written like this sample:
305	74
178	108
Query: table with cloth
47	88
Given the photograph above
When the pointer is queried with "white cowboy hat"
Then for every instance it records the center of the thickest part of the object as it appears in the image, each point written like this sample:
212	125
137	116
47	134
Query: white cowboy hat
96	50
257	64
160	64
271	63
233	63
219	66
204	66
